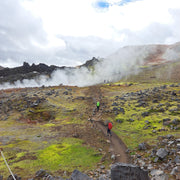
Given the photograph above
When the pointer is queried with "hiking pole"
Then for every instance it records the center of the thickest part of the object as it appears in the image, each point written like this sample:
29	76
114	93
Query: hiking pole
7	164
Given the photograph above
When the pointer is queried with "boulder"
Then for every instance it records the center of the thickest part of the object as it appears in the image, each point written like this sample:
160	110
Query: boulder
156	160
77	175
166	121
16	177
155	101
145	114
162	153
40	174
143	146
103	177
114	104
128	171
174	171
115	109
130	120
119	120
169	136
158	175
175	121
121	110
65	92
113	157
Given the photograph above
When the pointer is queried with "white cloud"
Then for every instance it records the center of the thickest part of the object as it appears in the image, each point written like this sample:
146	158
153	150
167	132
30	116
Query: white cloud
69	32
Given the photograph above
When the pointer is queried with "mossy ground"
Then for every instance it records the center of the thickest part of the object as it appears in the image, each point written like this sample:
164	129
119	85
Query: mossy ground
41	137
141	129
68	154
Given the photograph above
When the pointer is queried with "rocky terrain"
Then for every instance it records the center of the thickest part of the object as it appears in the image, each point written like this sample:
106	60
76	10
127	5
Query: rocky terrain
144	116
163	156
25	72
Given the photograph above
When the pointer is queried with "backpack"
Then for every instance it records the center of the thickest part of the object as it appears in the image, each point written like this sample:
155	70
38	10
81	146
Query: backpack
110	126
98	103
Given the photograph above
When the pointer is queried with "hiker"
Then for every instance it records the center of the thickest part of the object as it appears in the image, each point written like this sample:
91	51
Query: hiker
109	129
98	104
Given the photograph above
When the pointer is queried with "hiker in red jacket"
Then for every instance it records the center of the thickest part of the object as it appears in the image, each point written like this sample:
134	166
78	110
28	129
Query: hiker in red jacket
109	129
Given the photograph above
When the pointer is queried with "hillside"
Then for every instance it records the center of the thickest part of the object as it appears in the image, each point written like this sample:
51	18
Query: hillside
149	63
166	72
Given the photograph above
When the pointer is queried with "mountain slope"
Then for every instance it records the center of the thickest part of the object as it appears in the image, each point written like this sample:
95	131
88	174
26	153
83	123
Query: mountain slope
1	68
150	63
149	54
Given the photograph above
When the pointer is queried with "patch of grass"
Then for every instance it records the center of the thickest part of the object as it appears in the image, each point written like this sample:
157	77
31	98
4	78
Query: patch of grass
49	125
68	155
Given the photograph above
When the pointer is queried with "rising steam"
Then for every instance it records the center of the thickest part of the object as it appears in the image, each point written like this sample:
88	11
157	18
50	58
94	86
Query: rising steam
124	62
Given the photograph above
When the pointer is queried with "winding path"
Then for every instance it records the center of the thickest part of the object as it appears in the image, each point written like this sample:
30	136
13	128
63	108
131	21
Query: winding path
117	147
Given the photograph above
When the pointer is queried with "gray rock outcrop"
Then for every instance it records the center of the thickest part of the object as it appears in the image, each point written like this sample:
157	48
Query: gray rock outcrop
122	171
77	175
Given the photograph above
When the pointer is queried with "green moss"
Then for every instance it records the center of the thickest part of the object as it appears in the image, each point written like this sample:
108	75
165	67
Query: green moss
49	125
132	133
68	155
21	144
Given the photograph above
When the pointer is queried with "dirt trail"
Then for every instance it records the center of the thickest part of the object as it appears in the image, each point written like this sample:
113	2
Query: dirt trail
117	147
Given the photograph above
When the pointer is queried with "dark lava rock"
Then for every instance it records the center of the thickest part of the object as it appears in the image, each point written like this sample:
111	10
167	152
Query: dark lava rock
16	177
119	120
162	153
114	104
77	175
142	146
145	114
121	110
177	159
65	92
155	101
175	121
166	121
130	120
40	174
128	171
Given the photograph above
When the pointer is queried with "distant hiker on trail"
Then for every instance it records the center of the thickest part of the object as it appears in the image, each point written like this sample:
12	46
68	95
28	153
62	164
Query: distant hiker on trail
109	129
98	104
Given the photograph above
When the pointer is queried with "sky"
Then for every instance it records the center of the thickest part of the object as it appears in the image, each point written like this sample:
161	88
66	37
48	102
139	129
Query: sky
69	32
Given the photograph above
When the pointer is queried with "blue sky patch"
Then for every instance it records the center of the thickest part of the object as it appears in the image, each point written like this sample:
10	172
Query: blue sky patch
103	4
